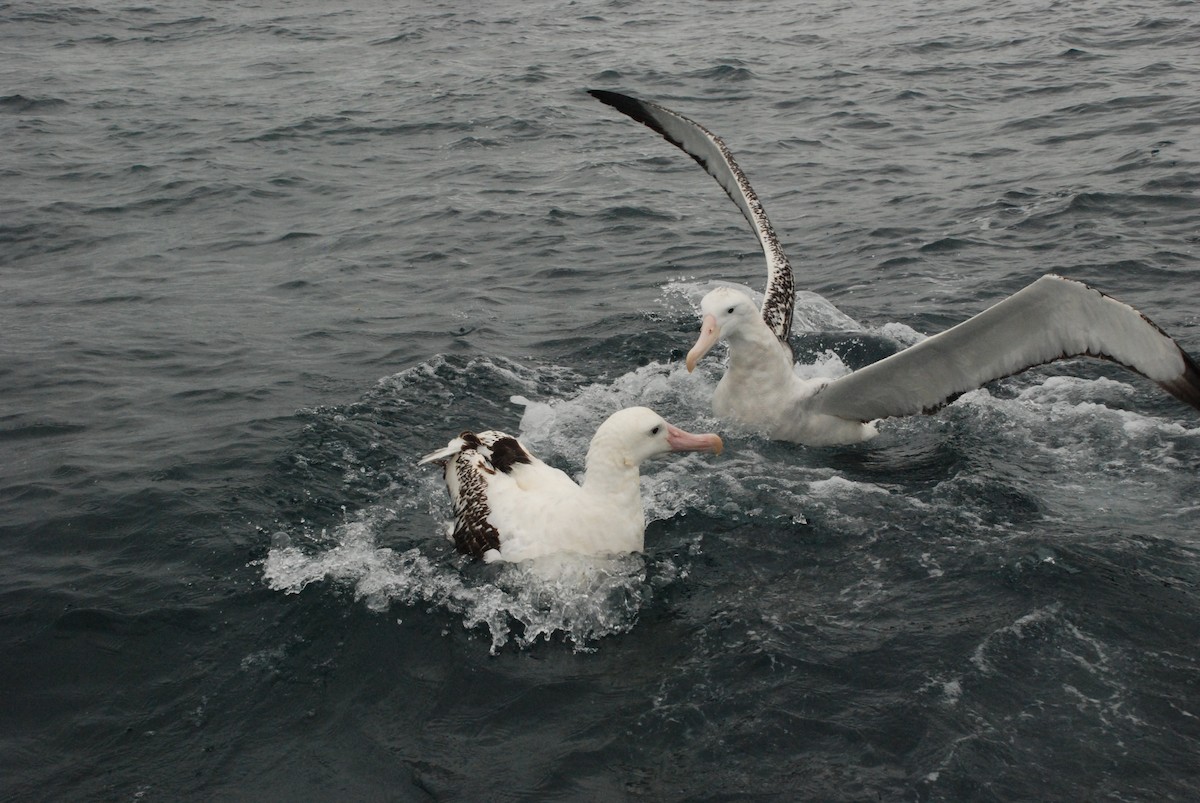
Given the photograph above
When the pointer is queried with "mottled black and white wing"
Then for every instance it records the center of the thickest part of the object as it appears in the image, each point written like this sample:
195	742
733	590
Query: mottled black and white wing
1051	319
711	153
473	463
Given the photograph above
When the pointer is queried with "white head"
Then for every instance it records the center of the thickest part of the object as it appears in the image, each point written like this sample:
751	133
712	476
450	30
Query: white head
638	433
724	311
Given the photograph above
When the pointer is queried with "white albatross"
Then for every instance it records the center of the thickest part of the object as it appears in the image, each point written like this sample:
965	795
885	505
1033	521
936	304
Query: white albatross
509	505
1051	319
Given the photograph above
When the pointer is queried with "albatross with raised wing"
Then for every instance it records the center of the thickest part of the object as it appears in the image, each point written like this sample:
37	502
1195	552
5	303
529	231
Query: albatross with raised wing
1051	319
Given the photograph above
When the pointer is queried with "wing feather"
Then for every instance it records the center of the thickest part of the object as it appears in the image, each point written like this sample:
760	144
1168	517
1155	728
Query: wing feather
711	153
1051	319
468	477
473	463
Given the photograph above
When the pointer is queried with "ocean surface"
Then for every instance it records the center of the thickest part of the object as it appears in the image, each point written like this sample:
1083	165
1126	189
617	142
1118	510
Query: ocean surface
256	258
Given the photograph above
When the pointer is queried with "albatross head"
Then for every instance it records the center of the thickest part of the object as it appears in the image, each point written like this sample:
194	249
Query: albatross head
638	433
724	312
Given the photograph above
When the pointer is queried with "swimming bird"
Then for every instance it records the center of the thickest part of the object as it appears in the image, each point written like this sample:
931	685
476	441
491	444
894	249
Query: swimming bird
1053	318
509	505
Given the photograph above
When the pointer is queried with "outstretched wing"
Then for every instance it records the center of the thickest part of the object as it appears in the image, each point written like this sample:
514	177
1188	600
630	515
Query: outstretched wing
1051	319
710	152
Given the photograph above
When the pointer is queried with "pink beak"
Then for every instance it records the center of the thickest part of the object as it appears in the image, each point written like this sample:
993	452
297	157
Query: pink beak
709	334
681	441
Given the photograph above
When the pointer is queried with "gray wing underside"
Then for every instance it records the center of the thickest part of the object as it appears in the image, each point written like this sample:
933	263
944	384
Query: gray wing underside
710	152
1051	319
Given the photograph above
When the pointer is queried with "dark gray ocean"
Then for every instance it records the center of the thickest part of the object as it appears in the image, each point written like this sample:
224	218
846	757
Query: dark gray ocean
257	257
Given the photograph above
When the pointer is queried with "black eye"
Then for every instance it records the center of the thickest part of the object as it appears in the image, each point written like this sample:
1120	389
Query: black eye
729	311
655	430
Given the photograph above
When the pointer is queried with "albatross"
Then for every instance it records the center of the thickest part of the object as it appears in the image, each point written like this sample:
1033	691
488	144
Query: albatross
1051	319
509	505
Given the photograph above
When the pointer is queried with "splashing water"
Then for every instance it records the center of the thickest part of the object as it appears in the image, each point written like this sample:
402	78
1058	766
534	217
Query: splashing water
1054	421
580	598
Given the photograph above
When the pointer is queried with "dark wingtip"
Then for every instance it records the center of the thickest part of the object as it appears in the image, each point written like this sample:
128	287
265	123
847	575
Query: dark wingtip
648	114
1186	386
626	105
611	98
639	110
614	99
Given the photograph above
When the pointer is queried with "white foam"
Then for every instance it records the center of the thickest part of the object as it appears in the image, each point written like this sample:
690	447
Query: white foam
903	334
564	426
815	313
827	365
835	487
1016	631
580	599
